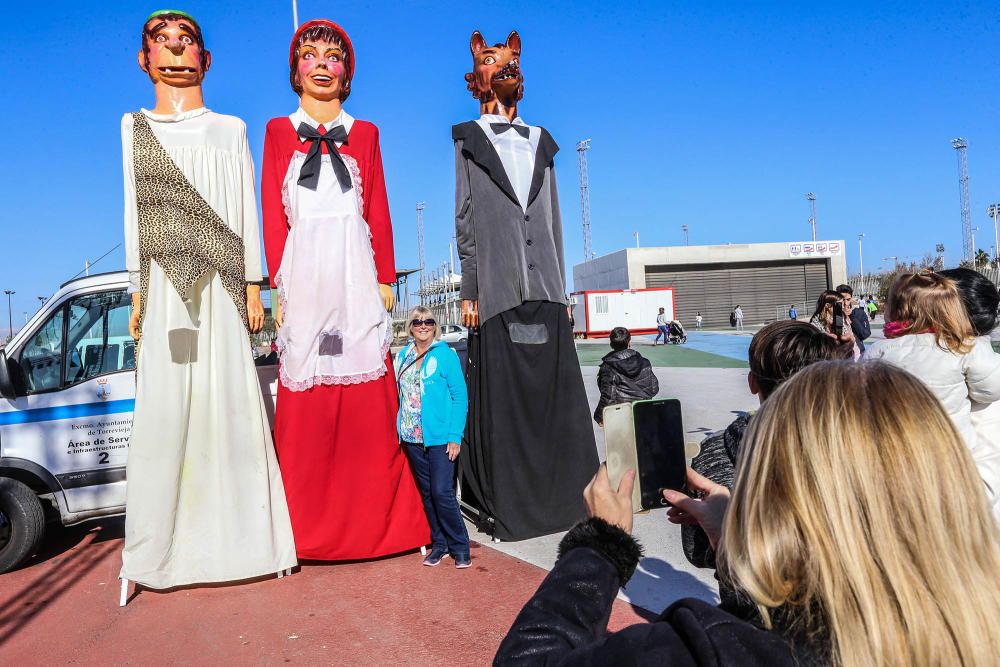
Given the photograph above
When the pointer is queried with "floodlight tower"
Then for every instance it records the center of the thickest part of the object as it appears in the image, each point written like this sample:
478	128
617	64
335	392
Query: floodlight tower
581	150
812	208
968	249
420	246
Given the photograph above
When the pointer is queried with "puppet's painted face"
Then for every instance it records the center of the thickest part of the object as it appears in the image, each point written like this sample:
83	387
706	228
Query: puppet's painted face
496	70
171	53
321	70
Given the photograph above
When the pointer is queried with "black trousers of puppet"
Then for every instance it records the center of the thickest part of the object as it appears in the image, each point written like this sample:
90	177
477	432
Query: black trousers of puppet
529	447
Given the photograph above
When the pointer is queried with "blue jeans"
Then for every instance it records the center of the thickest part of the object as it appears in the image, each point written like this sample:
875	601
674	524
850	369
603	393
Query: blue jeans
435	476
661	330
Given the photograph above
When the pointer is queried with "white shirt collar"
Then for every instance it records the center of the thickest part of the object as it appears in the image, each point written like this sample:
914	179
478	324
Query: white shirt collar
300	116
497	118
175	117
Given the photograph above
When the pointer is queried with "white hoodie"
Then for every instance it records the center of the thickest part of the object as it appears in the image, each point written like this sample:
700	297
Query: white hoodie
967	385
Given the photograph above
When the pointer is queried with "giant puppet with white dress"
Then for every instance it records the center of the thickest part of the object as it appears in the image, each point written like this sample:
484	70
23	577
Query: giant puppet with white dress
328	239
530	448
205	501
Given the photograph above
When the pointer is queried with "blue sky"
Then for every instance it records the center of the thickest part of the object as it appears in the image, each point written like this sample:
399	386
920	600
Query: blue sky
718	115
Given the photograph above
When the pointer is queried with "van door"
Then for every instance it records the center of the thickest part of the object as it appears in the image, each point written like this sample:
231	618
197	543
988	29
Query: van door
77	414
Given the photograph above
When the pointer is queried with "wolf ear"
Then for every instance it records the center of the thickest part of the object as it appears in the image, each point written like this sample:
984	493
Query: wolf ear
477	43
514	41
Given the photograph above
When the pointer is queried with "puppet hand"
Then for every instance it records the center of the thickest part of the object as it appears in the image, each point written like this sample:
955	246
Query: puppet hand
133	320
470	312
276	311
388	298
604	502
255	309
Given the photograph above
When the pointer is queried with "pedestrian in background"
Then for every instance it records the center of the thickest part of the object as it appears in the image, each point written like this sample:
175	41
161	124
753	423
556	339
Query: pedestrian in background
661	326
433	402
738	313
793	314
858	317
624	375
824	319
697	320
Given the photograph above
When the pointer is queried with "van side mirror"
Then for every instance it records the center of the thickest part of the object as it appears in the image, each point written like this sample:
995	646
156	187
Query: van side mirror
6	382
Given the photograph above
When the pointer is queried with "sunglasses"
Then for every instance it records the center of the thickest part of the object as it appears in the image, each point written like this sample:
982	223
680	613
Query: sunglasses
419	323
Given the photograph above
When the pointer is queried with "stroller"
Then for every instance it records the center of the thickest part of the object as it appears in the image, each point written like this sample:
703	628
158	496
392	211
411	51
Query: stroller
677	335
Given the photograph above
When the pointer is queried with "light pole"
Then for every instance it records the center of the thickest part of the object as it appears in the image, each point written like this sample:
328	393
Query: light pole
10	317
812	208
636	239
895	260
684	228
975	260
993	210
861	259
42	300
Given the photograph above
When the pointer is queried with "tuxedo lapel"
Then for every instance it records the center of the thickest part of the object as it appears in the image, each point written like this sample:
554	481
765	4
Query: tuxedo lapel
477	147
547	149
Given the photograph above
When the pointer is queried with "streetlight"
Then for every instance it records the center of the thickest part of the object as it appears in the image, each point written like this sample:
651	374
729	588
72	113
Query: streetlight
993	210
636	239
10	317
975	261
42	300
684	228
895	260
861	260
812	207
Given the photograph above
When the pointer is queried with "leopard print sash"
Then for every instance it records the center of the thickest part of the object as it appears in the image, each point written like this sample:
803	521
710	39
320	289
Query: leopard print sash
178	228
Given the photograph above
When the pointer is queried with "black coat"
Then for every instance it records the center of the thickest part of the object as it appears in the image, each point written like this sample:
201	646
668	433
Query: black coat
861	327
624	376
565	623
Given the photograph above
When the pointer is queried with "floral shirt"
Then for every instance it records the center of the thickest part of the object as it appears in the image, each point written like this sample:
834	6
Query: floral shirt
410	429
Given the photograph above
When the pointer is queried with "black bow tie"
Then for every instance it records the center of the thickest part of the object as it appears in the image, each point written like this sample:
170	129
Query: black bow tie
500	128
309	176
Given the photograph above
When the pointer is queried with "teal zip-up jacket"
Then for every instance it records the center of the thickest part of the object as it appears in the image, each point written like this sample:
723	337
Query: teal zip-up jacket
444	400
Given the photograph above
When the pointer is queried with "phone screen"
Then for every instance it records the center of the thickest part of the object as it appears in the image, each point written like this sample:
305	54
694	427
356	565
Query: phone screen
838	319
659	444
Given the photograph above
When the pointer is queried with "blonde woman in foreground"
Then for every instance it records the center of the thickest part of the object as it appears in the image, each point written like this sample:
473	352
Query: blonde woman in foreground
858	529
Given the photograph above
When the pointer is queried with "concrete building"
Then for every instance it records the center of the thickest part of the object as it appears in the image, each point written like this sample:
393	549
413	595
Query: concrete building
763	278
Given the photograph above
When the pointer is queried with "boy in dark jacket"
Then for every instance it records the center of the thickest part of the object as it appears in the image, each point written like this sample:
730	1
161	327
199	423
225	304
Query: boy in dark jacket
624	376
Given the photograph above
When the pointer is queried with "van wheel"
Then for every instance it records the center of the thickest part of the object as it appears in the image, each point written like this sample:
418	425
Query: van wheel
22	523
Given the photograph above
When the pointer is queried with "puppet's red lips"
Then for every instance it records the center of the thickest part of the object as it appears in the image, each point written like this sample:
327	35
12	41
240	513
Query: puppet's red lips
321	78
177	70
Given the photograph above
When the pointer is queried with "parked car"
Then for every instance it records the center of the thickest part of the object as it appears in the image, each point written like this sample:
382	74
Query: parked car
454	333
67	392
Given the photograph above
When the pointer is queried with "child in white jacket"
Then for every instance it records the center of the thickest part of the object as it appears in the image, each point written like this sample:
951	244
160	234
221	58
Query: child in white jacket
929	333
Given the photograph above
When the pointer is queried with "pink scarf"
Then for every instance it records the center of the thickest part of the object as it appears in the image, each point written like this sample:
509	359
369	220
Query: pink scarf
899	328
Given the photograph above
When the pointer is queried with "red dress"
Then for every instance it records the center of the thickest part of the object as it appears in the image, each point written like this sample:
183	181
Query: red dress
351	494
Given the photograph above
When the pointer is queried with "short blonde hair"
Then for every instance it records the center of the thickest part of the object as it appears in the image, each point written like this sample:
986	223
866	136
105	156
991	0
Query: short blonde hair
422	313
928	301
864	523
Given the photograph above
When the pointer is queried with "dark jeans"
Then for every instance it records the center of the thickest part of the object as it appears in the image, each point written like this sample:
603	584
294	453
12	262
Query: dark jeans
435	476
661	330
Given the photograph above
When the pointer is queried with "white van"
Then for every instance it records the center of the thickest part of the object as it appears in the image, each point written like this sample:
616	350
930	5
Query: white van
67	392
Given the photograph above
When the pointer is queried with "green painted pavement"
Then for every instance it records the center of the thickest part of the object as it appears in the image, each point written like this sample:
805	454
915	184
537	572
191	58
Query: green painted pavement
663	356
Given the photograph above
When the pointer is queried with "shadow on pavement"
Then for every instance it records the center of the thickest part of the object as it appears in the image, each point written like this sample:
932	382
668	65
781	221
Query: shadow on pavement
645	590
52	582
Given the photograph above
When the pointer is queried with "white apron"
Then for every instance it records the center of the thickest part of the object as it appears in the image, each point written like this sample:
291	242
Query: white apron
336	328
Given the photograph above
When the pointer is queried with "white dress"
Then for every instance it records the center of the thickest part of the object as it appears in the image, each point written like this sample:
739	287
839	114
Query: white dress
204	502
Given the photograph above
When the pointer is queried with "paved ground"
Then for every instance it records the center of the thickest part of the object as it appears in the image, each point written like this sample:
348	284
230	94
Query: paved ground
62	607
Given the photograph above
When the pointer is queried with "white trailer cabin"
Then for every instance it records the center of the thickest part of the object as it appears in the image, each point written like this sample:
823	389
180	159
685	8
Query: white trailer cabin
597	312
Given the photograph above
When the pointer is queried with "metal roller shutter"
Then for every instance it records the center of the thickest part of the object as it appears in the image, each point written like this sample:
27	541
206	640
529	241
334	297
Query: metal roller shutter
759	287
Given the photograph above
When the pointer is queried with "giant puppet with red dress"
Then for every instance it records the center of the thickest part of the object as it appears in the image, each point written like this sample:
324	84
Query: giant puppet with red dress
328	240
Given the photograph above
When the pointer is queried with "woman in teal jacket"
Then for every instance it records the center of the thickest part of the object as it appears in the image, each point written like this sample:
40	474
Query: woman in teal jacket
433	403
